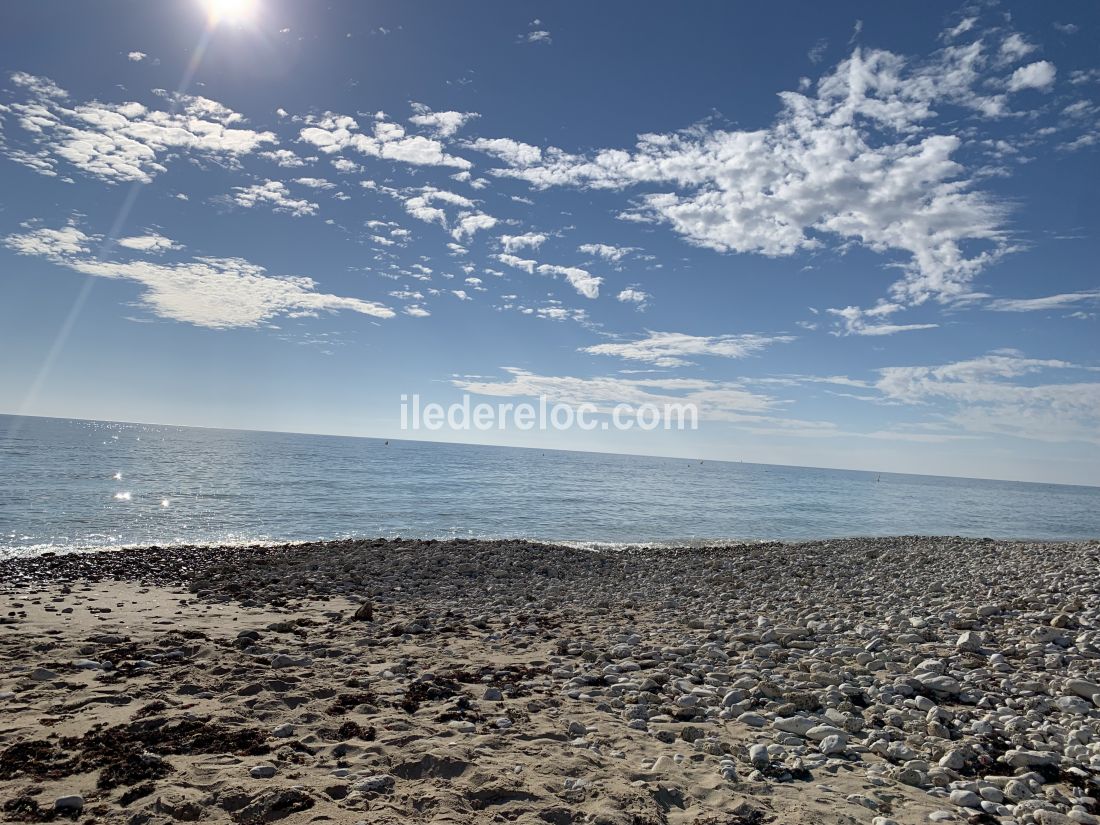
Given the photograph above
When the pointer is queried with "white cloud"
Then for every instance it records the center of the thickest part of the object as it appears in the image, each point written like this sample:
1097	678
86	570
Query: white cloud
1047	302
1038	75
857	321
461	294
529	240
416	311
633	296
676	349
512	152
315	183
149	242
517	262
606	251
981	397
275	194
136	57
345	166
581	280
127	141
444	124
536	36
856	163
218	293
1016	46
286	158
715	400
335	133
470	222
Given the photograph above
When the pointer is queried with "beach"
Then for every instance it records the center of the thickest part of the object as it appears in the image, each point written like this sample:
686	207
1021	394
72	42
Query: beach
906	679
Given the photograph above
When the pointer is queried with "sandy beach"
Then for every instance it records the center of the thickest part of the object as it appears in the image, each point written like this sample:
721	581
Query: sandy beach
900	680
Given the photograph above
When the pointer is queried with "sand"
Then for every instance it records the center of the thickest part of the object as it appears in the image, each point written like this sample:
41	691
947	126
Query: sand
504	682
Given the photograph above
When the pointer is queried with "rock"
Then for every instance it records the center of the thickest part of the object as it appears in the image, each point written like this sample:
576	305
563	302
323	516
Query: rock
691	733
576	729
492	694
966	799
284	731
263	771
41	674
798	725
941	685
364	613
70	803
753	720
1079	687
1028	759
284	660
378	783
758	756
663	764
1017	791
819	732
832	744
1048	817
969	641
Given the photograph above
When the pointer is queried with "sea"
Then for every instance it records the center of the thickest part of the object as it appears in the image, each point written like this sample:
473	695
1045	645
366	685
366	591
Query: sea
77	485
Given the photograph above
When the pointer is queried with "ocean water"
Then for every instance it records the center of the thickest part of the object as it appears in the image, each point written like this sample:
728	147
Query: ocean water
67	484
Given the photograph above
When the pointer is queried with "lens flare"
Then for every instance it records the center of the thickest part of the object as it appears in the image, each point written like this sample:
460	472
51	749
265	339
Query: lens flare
229	11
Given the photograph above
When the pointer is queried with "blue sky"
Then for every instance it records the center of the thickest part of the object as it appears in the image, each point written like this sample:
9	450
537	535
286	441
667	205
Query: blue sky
854	235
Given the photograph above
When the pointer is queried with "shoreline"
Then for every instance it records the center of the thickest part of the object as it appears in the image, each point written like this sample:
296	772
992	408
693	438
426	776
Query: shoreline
16	554
904	679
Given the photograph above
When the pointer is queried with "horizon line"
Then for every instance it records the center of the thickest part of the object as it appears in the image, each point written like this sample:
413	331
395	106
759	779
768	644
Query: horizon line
545	449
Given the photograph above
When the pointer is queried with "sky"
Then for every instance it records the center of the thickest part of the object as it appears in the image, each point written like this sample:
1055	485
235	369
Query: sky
854	234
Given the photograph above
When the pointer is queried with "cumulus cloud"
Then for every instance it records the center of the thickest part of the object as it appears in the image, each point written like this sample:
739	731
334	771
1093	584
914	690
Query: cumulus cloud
606	251
529	240
856	162
126	141
631	295
136	57
218	293
581	280
512	152
443	124
273	193
332	134
315	183
1039	75
286	158
676	349
149	242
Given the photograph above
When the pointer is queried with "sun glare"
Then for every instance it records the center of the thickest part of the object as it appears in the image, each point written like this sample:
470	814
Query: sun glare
229	11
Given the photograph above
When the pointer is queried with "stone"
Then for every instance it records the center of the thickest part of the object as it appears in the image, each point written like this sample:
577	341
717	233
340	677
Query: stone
1079	687
69	803
798	725
753	720
758	756
378	783
263	771
965	799
41	674
832	744
284	731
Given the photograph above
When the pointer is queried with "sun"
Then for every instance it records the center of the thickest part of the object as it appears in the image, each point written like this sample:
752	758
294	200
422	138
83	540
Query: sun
229	11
